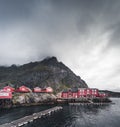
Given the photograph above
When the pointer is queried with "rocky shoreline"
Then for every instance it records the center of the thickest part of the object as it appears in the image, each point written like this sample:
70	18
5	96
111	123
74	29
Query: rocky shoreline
34	99
28	99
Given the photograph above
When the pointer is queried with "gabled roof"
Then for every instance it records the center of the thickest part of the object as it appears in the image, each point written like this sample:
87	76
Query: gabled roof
70	90
74	89
9	87
65	91
101	92
37	87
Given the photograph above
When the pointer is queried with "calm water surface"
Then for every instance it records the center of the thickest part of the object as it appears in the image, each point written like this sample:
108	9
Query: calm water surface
71	116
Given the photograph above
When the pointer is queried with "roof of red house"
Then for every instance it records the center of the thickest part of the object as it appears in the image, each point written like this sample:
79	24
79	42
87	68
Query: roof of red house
37	87
70	90
26	88
9	88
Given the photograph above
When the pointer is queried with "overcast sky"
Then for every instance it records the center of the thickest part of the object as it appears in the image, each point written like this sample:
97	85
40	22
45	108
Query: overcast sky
83	34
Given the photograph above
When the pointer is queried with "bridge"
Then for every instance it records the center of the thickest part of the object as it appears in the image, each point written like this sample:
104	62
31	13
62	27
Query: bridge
28	119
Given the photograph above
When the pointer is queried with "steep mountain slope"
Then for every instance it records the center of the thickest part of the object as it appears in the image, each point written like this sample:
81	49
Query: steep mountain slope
48	72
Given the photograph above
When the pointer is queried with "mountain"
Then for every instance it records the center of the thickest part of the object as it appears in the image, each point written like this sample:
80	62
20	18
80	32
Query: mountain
111	93
48	72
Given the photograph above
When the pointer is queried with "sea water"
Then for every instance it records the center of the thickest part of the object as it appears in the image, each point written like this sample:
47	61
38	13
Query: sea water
70	116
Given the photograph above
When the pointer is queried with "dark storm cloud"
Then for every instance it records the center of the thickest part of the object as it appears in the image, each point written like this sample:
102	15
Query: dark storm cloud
84	34
10	10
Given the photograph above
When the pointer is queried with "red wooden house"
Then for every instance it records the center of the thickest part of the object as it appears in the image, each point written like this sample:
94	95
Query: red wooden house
23	89
49	90
64	94
88	92
95	92
5	94
103	95
81	92
9	88
44	90
75	94
37	90
69	94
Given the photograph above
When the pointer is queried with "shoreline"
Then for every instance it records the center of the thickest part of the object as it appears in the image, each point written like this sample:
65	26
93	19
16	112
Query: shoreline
61	102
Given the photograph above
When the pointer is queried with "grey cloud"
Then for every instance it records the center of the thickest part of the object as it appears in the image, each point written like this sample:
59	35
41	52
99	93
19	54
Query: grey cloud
84	34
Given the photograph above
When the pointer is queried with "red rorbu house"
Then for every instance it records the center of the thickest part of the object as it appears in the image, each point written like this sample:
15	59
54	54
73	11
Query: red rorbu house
23	89
5	94
95	92
44	90
69	93
88	92
81	92
49	90
9	89
37	90
64	94
74	94
102	95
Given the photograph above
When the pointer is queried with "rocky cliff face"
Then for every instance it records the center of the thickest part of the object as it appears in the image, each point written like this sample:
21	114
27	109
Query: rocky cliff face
48	72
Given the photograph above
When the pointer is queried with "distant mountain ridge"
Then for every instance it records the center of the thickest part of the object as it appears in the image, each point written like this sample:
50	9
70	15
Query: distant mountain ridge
111	93
48	72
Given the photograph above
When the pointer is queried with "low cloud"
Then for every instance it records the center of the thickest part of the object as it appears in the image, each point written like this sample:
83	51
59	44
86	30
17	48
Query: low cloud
83	34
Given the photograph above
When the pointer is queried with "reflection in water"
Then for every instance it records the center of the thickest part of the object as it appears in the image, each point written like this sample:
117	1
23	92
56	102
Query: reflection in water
75	116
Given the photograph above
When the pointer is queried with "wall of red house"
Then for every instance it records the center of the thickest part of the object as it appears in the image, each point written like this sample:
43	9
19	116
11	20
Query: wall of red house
69	94
82	93
102	95
49	90
88	92
64	95
95	93
5	95
37	90
75	94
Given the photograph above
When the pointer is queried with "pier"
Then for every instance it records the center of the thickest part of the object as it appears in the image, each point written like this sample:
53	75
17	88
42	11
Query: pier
28	119
89	104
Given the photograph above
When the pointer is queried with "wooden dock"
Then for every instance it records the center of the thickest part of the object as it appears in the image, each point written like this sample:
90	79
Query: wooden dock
31	118
89	104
